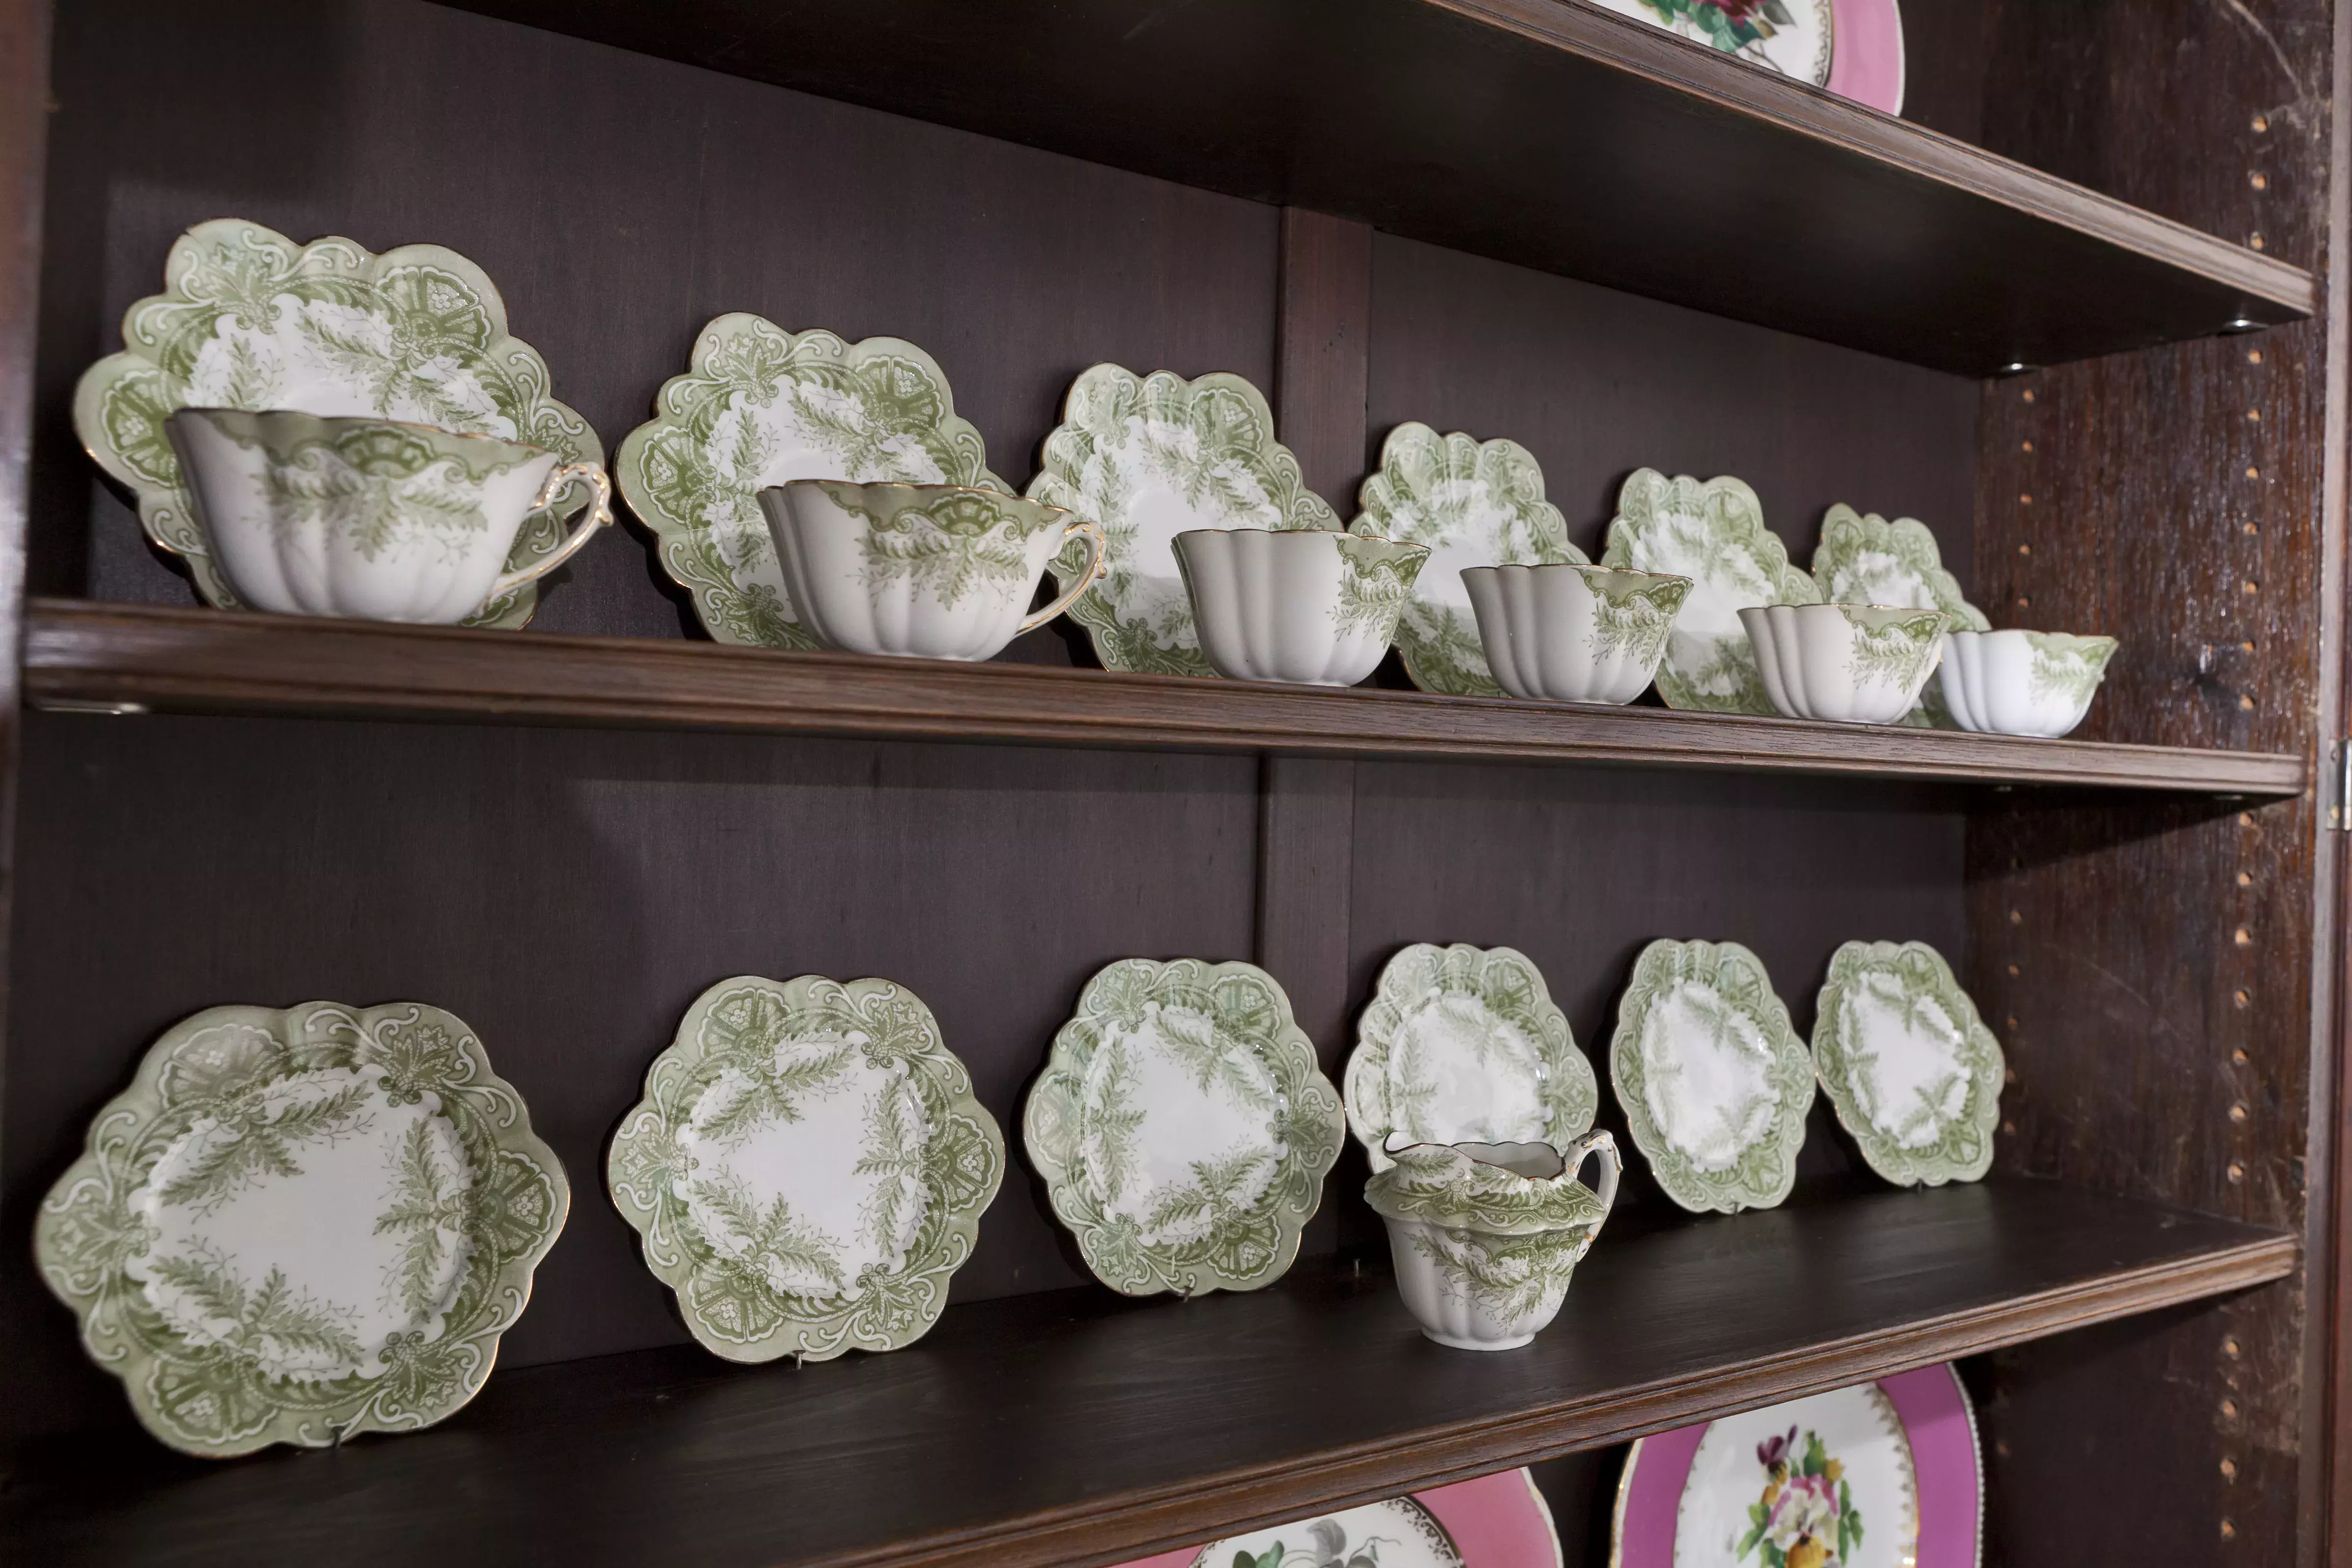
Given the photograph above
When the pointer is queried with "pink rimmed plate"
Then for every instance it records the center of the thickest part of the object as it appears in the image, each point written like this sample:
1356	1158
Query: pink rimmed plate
1496	1521
1874	1476
1853	47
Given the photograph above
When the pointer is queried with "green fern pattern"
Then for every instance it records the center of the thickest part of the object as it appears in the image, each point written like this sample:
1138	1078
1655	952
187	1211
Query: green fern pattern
1942	1131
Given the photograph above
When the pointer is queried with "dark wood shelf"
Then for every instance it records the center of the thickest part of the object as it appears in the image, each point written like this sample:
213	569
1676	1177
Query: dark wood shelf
131	657
1075	1426
1539	131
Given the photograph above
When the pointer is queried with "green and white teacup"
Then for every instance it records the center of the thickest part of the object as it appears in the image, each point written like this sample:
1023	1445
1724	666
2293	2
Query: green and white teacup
925	571
371	518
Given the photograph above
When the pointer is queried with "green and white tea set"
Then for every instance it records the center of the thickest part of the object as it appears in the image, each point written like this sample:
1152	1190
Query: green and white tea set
300	1225
319	430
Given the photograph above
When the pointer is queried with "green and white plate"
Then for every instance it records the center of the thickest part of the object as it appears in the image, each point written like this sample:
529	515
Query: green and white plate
1862	559
1148	457
296	1227
1712	532
1912	1071
250	319
1472	503
1714	1083
1183	1128
807	1168
1462	1045
758	405
1396	1532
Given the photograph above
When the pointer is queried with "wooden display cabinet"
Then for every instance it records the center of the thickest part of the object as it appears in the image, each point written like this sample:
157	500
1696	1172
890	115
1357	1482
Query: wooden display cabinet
2076	311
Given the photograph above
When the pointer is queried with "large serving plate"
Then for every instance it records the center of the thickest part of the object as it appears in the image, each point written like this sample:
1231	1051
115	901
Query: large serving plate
1854	47
1183	1128
250	319
1497	1521
758	405
1148	457
1714	1083
1472	503
1880	1475
1912	1071
1462	1045
1712	532
807	1168
296	1227
1862	559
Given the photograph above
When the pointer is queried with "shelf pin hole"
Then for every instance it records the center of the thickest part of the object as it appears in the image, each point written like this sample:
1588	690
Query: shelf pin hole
2237	1173
2253	472
2261	123
2242	937
2238	1112
2243	997
2258	181
2228	1530
2238	1056
2246	702
2229	1469
2028	394
2025	549
2253	356
2230	1346
2245	879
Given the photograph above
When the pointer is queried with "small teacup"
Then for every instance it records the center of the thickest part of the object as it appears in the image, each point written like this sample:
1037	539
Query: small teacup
2022	682
1310	606
924	571
1852	663
1484	1235
1573	633
370	518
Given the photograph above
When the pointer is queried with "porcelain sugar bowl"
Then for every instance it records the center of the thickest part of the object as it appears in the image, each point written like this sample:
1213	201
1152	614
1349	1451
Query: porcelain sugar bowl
1485	1235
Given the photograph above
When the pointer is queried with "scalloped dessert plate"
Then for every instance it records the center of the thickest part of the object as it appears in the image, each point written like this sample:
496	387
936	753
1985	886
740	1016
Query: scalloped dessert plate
1150	457
1712	532
807	1168
1498	1521
1714	1083
1463	1044
250	319
1914	1074
1183	1128
1880	1475
758	406
1474	503
298	1225
1862	559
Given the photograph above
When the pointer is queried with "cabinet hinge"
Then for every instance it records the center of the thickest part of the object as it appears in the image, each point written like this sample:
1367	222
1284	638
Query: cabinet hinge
2338	789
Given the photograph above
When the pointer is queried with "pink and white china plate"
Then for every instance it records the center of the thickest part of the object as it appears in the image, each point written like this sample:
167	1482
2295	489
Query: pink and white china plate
1875	1476
1496	1521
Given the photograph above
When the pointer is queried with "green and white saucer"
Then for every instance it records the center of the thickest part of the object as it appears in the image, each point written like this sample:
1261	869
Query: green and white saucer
1712	532
1714	1083
249	320
758	405
296	1227
1462	1045
1183	1128
1472	503
1150	457
1912	1071
807	1168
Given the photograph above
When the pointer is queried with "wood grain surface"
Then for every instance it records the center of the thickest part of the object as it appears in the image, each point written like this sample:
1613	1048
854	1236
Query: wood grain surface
2150	977
84	654
1072	1428
1556	135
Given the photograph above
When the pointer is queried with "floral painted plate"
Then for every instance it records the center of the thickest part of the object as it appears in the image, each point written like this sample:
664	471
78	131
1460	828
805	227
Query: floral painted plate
1148	457
1497	1521
1462	1045
1881	1475
1713	533
1472	503
1183	1128
296	1227
807	1168
250	319
1714	1083
1789	38
1912	1071
758	405
1862	559
1395	1533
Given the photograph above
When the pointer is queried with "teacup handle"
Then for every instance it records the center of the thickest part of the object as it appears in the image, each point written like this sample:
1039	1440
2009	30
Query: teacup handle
600	512
1093	530
1599	1141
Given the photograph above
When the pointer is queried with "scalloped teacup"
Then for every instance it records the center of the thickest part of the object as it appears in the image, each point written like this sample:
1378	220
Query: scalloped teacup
1851	663
2022	682
1485	1235
1570	632
1310	606
377	519
921	571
